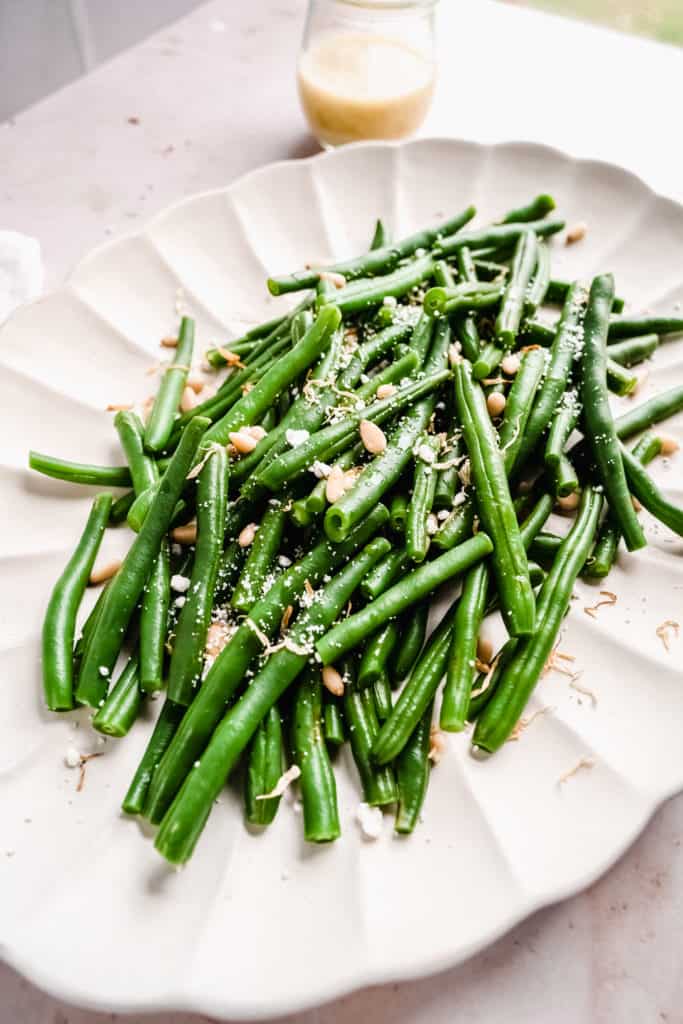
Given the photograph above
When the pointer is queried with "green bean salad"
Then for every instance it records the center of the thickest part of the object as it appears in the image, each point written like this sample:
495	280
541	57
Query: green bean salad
409	425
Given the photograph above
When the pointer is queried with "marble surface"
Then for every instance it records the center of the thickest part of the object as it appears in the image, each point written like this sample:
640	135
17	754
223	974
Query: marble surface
180	113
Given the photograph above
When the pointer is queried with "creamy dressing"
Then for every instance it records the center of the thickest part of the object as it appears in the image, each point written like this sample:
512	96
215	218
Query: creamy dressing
360	86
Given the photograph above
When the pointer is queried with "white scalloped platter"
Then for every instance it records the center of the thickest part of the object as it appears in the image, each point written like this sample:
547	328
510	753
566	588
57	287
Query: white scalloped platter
262	925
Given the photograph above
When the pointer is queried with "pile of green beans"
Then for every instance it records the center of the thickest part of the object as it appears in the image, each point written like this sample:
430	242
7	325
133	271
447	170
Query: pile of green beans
407	427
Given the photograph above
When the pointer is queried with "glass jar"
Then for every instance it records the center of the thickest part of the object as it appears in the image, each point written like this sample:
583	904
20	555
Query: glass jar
367	68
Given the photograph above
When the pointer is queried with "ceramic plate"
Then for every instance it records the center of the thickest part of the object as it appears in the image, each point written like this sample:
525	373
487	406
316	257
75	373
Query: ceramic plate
262	925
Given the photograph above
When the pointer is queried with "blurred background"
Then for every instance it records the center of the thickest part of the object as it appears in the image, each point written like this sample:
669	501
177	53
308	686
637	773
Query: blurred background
46	43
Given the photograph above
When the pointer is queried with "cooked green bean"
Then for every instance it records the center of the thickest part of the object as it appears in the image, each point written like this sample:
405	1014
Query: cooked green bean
540	282
381	237
124	591
604	553
381	695
461	663
164	730
412	632
153	622
636	326
121	507
398	510
597	415
412	774
447	482
534	210
333	720
458	526
464	325
185	819
649	495
376	654
143	468
502	712
122	706
422	498
265	758
461	297
489	357
487	683
79	472
317	783
494	505
516	288
185	669
565	479
59	625
384	573
519	404
378	782
656	409
365	293
260	558
632	351
227	672
545	546
619	380
377	261
497	235
557	293
347	635
561	427
160	423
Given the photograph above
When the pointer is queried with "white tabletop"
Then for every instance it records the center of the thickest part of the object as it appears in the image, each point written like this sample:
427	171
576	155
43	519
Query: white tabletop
214	96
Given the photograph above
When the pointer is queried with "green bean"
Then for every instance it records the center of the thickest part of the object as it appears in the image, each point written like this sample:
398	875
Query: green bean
489	357
160	423
603	555
377	261
494	505
538	287
143	468
461	297
636	326
502	712
233	387
545	546
648	494
489	271
381	695
381	237
538	333
229	570
632	351
121	507
398	511
422	499
384	573
557	374
412	774
317	784
412	631
417	695
371	291
597	416
557	293
331	440
534	210
460	675
153	622
457	527
619	380
252	405
79	472
246	344
195	616
519	404
122	706
265	758
260	558
376	654
497	235
378	783
565	479
656	409
59	625
305	510
561	427
333	720
227	672
123	593
409	591
487	683
185	819
512	304
447	484
465	327
165	728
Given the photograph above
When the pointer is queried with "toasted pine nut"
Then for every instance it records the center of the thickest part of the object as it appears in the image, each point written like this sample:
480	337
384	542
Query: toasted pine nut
576	233
510	364
484	649
454	354
257	431
338	280
247	535
119	406
242	442
386	391
231	358
637	507
169	343
333	681
437	744
196	383
104	572
217	637
569	503
495	403
185	534
338	483
669	444
188	400
372	437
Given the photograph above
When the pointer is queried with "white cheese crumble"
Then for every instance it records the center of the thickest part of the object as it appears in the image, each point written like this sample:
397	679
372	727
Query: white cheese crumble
370	820
72	757
296	437
180	583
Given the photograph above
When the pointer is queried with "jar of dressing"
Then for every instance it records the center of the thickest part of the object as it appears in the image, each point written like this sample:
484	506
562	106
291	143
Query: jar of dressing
367	68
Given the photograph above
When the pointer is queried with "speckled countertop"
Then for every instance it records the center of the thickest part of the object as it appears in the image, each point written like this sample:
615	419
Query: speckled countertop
180	113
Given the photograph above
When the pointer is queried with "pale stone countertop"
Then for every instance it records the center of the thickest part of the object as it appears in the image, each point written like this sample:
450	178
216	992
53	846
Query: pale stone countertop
214	96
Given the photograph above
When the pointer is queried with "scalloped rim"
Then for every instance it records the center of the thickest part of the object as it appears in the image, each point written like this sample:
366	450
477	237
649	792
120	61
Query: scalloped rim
71	992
